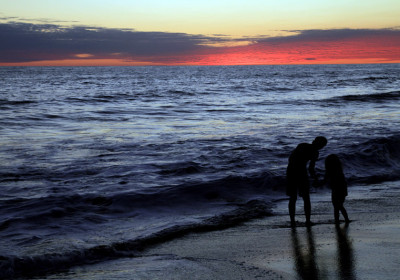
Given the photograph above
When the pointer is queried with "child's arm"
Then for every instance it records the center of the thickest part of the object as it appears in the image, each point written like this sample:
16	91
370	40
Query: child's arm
320	183
325	181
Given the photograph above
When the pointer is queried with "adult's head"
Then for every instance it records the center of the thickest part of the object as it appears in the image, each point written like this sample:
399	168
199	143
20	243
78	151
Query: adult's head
320	142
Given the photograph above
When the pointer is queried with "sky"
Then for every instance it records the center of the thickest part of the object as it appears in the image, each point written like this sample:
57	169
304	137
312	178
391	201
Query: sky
204	32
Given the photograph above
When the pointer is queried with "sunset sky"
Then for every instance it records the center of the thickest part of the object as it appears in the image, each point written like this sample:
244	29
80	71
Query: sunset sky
206	32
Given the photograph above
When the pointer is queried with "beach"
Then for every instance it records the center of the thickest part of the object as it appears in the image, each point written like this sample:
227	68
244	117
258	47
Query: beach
169	140
268	248
179	172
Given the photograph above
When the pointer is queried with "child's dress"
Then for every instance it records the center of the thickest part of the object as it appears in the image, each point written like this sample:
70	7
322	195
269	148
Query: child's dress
338	185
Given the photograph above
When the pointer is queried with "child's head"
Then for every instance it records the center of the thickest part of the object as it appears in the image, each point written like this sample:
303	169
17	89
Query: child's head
333	164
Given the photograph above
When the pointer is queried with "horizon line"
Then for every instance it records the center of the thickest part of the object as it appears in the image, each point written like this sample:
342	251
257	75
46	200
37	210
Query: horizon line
204	65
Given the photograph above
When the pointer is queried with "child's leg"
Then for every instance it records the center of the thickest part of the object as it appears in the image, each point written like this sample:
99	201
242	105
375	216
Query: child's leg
344	213
336	213
337	206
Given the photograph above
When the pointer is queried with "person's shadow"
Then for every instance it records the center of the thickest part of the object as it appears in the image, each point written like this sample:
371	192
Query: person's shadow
304	256
345	256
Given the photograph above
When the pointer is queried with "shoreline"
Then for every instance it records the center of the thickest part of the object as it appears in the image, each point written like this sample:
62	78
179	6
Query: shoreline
268	248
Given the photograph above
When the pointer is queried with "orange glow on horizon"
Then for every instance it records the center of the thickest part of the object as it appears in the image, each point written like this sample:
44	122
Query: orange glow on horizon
223	60
350	51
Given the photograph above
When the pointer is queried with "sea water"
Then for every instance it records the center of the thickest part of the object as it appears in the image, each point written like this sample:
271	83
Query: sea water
101	162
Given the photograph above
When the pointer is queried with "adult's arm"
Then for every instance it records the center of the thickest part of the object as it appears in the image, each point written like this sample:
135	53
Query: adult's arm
311	168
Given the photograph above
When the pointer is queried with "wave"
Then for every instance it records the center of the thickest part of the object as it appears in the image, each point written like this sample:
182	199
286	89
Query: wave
6	102
374	98
238	192
180	92
357	80
11	266
52	209
375	78
180	168
374	161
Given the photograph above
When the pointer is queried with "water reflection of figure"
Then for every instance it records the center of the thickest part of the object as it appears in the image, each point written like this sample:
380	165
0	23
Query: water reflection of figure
345	255
306	266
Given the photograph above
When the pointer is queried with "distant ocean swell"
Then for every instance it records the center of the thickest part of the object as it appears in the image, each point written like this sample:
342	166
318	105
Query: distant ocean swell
376	160
120	114
373	98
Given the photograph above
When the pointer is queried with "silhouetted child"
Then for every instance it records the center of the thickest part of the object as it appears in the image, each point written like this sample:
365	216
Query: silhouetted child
336	181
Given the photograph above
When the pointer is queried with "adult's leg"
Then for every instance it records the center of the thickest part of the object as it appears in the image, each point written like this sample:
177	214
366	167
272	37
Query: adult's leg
307	208
292	209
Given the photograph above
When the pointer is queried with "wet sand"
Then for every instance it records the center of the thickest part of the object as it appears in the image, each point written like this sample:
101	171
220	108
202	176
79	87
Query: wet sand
268	248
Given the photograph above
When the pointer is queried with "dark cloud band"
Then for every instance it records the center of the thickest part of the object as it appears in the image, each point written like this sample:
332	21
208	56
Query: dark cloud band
26	42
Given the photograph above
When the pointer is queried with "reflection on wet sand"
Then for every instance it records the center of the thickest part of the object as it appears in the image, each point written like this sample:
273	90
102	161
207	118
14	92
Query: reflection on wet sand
306	258
345	256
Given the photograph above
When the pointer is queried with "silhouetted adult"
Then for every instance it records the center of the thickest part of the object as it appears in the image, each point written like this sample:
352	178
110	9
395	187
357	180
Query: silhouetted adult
297	175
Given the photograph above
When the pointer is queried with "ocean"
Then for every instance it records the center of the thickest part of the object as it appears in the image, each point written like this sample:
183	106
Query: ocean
99	163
